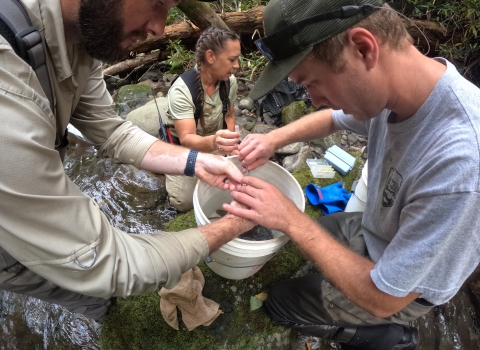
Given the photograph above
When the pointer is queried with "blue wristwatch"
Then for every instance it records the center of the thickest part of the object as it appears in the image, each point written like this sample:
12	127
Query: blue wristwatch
190	167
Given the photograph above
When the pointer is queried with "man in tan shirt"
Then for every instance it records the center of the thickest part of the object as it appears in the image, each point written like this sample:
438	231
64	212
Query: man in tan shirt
56	244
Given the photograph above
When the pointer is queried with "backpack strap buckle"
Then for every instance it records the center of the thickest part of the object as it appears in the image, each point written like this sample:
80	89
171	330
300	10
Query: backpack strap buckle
30	46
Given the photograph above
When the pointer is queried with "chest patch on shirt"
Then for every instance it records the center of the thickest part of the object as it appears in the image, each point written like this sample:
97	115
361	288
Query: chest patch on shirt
392	186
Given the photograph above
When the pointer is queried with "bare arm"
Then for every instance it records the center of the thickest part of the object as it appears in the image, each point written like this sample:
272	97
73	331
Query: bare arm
256	149
224	230
223	141
347	270
165	158
350	272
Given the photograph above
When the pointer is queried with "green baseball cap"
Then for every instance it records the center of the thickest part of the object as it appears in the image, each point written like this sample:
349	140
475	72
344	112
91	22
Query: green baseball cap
293	27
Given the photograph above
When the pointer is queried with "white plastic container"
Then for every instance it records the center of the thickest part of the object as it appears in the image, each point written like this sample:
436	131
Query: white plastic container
241	258
320	168
358	199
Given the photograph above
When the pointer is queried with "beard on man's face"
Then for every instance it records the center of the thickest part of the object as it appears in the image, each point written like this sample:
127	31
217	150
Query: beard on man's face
101	25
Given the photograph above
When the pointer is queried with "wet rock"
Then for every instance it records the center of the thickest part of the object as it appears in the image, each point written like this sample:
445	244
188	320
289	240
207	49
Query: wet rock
298	160
356	149
329	141
293	148
263	128
241	86
243	133
130	97
269	119
352	138
237	111
249	126
146	117
241	120
245	112
246	103
319	152
132	199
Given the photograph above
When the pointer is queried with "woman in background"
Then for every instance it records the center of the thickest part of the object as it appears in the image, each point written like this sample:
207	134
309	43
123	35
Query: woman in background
216	55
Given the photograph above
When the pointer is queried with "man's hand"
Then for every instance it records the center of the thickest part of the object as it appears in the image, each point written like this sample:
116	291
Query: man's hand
256	150
215	171
269	207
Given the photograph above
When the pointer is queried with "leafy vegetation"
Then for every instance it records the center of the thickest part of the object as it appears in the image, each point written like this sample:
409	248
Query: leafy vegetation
175	15
462	19
180	58
252	64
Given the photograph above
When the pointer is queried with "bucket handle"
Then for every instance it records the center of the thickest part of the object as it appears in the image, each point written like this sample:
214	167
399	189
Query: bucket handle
354	186
209	260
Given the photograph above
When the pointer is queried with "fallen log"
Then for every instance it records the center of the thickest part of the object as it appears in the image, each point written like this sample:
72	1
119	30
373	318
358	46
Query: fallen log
245	22
133	63
202	15
426	35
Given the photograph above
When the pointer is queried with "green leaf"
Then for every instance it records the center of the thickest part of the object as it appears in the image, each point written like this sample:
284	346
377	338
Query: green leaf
255	303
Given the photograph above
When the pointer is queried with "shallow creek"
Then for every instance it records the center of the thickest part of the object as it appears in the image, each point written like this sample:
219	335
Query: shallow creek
135	202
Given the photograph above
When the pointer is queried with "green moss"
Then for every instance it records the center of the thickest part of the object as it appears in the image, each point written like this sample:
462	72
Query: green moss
293	112
128	92
182	222
136	322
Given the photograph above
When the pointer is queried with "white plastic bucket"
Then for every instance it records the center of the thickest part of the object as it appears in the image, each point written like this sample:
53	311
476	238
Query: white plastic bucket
241	258
359	198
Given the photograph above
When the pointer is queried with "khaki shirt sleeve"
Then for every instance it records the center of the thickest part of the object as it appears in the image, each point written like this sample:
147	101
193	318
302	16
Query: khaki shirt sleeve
55	230
180	103
97	120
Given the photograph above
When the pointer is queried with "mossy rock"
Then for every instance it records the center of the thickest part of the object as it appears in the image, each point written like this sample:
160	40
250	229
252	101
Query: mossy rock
136	322
131	92
293	112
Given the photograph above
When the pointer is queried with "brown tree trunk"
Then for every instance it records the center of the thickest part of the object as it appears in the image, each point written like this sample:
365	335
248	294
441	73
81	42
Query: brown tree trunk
426	35
130	64
240	22
201	14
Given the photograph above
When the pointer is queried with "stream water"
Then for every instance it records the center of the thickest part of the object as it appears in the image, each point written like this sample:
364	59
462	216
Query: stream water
135	202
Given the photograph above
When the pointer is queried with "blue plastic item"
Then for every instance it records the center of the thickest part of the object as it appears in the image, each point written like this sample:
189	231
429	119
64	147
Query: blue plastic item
331	199
339	159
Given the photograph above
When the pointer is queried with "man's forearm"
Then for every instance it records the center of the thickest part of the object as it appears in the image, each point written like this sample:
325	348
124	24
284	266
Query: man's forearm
224	230
165	158
347	270
310	127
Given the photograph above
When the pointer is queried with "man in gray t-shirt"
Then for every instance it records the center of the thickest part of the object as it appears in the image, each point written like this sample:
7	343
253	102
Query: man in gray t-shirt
418	239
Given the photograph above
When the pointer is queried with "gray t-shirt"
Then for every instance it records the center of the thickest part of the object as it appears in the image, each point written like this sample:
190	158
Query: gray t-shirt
422	219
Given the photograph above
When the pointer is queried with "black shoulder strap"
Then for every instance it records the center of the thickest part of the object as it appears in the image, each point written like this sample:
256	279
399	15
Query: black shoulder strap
25	39
224	96
190	79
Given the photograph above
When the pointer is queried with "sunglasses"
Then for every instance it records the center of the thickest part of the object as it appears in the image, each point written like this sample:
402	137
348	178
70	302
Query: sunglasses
275	47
